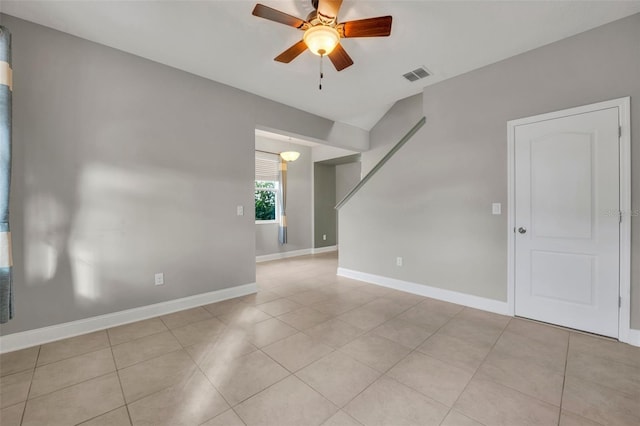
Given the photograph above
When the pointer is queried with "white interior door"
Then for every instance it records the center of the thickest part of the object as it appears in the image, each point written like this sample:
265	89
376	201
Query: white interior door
566	218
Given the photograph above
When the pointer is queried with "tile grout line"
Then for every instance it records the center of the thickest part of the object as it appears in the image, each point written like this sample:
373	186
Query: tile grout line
609	388
300	330
116	370
334	349
306	365
77	354
68	386
33	373
138	338
148	359
507	386
434	333
236	413
106	412
119	381
158	391
199	368
318	392
564	377
384	374
232	407
185	310
617	391
477	369
109	337
490	379
365	331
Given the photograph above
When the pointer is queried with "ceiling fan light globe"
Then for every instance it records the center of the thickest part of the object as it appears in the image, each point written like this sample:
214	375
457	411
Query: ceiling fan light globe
321	39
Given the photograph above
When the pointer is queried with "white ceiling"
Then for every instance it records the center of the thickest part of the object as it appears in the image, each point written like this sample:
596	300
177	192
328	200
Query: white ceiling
222	41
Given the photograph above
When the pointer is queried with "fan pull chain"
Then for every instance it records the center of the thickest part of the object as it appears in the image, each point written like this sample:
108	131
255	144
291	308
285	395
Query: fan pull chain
321	73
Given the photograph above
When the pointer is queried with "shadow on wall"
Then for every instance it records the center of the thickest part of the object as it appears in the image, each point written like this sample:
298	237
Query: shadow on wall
104	235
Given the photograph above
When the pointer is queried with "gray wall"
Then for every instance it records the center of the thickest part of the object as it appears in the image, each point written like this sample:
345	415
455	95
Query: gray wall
390	129
431	203
123	168
333	179
324	196
347	177
299	203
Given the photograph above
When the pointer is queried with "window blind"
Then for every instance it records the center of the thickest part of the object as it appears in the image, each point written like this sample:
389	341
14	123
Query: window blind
267	166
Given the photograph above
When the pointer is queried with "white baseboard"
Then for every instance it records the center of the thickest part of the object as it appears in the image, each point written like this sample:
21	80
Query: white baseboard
25	339
324	249
283	255
632	337
294	253
477	302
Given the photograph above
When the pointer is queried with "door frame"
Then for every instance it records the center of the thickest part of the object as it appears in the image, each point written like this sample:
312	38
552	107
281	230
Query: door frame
624	108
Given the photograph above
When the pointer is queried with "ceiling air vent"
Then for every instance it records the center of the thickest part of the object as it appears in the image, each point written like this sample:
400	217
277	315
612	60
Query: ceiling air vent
417	74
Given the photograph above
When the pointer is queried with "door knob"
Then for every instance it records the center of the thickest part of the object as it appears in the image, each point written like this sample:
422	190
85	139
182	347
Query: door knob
522	230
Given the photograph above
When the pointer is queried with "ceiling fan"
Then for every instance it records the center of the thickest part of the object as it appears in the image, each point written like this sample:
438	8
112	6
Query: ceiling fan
322	31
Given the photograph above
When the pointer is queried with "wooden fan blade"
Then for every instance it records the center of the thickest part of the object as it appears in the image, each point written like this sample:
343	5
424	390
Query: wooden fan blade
291	53
329	8
340	58
271	14
372	27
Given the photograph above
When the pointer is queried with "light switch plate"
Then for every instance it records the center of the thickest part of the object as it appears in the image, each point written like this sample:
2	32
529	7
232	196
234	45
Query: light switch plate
496	208
240	210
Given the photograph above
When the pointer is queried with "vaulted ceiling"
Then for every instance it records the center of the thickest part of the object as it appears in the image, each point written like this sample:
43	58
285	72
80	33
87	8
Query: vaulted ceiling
222	41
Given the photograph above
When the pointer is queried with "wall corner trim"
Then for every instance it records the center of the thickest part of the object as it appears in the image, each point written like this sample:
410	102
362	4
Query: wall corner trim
39	336
469	300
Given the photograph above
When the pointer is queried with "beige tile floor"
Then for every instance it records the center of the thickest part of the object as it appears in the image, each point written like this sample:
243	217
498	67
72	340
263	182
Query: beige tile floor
311	348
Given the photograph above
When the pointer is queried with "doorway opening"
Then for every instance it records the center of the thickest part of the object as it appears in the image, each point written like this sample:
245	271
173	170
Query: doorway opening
307	195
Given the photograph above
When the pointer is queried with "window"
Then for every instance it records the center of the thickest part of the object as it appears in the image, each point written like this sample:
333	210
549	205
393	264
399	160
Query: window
266	187
266	196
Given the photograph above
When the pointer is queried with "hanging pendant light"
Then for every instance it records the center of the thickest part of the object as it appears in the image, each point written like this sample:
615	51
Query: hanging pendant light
290	155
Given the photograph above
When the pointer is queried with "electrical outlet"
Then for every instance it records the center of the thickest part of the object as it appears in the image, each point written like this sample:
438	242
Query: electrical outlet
240	210
160	278
398	261
496	208
324	237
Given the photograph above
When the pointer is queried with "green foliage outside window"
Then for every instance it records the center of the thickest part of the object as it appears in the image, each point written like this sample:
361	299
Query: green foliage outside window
265	197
